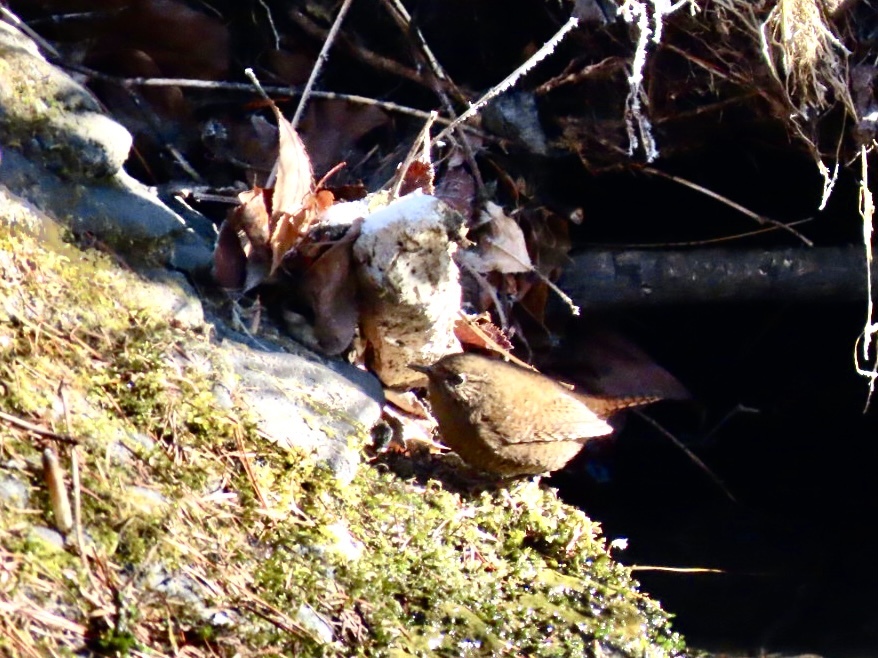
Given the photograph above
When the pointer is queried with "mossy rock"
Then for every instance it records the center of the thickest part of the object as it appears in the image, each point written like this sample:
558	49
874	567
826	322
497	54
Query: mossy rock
199	534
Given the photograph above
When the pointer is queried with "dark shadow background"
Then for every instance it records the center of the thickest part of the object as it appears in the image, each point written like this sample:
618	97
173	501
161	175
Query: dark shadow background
798	547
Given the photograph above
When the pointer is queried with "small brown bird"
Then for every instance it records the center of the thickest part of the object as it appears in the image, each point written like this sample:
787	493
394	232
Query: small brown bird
509	420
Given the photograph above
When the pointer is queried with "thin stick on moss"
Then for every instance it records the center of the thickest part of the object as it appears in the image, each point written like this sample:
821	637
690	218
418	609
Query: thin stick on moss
20	424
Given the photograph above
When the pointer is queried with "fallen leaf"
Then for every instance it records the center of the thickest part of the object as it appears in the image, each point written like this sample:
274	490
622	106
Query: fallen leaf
604	362
480	332
418	176
251	217
295	177
502	247
249	221
331	289
457	188
331	128
293	210
548	236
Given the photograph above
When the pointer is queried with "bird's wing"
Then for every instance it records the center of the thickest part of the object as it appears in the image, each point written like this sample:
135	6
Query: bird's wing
565	418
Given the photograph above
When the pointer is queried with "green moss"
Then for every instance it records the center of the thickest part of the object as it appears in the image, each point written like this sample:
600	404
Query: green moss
268	538
112	642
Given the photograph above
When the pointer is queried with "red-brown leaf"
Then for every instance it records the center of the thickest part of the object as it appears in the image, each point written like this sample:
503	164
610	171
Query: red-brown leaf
478	331
418	176
229	259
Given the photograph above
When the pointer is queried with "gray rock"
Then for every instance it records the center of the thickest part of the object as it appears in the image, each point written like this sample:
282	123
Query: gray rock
64	158
52	118
302	402
129	444
47	537
14	492
314	623
145	501
120	210
170	295
190	253
63	155
178	588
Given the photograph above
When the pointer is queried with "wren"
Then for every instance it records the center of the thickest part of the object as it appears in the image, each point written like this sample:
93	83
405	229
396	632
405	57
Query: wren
508	420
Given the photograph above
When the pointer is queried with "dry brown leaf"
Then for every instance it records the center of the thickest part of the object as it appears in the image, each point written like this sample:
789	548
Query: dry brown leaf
332	128
604	362
288	232
502	248
293	210
478	331
331	288
548	240
407	402
295	177
251	217
457	188
535	300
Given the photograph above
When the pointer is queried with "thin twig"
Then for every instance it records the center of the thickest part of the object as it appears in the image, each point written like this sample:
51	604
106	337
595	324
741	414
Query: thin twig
24	425
512	78
420	145
606	64
441	81
737	206
77	487
574	309
403	19
274	169
734	411
259	88
248	468
321	60
21	25
271	24
489	289
692	243
870	328
246	87
365	55
155	124
713	476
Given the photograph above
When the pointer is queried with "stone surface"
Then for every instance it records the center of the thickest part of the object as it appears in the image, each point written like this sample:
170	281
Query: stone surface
52	118
118	211
62	154
301	402
299	399
14	492
170	295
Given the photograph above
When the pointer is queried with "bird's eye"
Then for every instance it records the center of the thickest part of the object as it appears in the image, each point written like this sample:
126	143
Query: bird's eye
455	379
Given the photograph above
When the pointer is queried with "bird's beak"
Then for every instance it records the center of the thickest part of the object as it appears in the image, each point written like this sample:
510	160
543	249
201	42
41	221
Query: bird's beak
424	369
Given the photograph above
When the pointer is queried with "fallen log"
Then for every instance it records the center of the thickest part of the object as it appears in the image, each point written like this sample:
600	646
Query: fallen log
603	279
